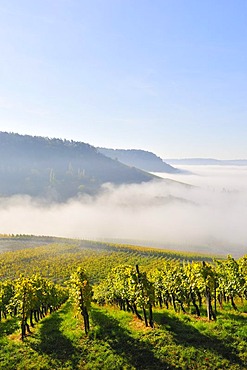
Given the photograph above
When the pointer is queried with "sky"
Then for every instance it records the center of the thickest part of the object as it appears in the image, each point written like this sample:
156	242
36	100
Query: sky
168	76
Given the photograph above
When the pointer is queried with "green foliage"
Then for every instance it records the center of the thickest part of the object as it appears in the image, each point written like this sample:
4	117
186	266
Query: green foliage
129	288
57	258
231	277
81	294
172	282
26	297
6	294
116	339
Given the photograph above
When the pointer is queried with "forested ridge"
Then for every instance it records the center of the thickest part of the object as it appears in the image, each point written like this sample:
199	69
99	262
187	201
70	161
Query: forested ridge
56	169
143	159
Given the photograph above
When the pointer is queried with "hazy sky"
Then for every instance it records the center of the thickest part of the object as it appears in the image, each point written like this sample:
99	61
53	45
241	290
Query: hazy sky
169	76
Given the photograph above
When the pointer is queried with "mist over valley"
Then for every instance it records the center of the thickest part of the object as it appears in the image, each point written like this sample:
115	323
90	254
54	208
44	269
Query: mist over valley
203	210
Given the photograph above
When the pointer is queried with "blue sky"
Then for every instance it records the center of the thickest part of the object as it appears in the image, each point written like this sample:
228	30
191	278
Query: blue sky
169	76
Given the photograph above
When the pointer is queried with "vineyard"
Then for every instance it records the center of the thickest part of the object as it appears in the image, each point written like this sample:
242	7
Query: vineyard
73	304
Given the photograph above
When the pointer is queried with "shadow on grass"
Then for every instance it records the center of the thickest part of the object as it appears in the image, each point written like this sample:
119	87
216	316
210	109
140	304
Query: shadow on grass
8	326
137	353
52	342
186	335
238	316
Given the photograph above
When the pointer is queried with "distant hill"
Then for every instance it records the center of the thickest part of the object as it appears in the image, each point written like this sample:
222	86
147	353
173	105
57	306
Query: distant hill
142	159
207	162
58	169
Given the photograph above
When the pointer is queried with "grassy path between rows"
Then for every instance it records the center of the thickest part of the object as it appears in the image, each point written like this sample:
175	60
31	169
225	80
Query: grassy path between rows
118	341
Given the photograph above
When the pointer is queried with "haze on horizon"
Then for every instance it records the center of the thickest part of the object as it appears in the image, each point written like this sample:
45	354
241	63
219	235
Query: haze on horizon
208	217
164	76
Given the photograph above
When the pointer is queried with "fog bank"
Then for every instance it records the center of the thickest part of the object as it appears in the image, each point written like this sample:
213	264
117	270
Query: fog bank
207	217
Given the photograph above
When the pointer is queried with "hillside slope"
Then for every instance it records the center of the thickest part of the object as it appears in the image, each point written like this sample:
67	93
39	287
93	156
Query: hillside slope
207	162
142	159
57	169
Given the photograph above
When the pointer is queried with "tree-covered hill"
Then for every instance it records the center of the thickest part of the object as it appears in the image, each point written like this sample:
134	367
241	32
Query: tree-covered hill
206	162
145	160
57	169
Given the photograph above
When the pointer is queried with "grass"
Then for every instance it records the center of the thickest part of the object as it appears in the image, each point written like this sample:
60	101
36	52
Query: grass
119	341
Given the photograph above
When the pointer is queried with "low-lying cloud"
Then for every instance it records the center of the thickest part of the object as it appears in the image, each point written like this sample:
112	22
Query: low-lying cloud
209	216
